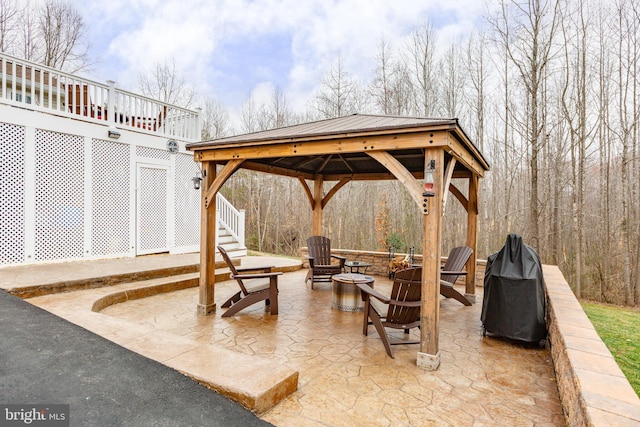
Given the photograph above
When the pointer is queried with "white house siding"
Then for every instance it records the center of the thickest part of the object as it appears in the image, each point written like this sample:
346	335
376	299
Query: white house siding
69	192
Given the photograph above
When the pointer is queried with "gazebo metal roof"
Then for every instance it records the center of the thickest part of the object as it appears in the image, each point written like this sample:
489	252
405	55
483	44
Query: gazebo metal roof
343	162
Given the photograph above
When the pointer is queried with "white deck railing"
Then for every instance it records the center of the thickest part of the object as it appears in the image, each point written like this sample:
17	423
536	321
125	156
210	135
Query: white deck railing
29	85
230	218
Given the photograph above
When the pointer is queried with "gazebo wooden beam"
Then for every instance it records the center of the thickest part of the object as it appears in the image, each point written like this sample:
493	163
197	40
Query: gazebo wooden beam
334	190
402	174
307	191
275	170
330	194
448	175
348	145
259	167
322	147
227	171
392	132
457	150
458	195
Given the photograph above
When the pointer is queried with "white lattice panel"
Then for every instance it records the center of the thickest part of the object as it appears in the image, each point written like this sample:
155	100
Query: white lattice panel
12	236
59	178
152	153
110	189
187	206
152	209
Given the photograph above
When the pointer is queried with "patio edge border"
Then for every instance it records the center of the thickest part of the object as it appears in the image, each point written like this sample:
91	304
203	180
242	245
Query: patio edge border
593	390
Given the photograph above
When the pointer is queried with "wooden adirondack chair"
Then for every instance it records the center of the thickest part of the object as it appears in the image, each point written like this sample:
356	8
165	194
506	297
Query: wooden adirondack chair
250	295
400	310
320	260
450	272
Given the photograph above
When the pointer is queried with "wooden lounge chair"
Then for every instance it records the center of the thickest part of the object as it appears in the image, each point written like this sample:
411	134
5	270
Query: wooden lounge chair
450	272
401	310
320	265
250	295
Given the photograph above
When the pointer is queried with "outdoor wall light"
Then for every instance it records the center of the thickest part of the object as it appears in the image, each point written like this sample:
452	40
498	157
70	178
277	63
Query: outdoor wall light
197	180
428	179
113	133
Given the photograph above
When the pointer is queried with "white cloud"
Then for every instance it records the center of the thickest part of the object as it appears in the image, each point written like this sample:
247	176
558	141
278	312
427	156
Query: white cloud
196	34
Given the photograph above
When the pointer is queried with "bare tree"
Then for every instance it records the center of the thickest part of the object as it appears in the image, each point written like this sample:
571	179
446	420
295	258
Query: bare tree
215	120
478	75
61	30
604	90
337	95
527	29
249	116
165	84
281	114
380	88
421	58
628	45
453	81
475	94
27	40
574	106
9	14
391	89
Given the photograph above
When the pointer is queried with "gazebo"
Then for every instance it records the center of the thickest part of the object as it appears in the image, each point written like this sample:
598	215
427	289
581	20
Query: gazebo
424	154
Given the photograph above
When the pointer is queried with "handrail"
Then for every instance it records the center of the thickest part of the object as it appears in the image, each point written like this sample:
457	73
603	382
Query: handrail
40	88
231	218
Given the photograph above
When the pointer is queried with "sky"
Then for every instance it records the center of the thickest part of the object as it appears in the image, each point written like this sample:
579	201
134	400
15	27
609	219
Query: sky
233	49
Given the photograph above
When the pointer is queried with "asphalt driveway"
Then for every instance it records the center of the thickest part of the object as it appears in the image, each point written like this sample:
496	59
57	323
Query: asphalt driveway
47	360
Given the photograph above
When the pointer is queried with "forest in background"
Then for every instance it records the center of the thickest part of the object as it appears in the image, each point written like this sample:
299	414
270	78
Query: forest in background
548	91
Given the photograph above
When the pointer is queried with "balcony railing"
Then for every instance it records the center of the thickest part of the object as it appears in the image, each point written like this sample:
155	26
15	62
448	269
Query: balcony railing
231	219
39	88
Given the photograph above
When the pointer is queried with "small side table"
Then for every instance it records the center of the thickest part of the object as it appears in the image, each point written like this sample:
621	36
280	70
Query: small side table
345	295
357	265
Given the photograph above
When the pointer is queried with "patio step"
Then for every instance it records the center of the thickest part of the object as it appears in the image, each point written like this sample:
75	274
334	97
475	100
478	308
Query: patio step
234	248
106	277
159	285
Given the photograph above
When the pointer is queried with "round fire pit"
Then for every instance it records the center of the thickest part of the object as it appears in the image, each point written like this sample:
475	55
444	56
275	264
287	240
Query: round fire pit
345	295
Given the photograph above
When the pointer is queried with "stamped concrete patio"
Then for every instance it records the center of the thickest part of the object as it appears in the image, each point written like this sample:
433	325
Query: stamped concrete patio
344	378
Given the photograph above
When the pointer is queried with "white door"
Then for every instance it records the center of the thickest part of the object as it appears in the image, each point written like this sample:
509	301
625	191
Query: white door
152	209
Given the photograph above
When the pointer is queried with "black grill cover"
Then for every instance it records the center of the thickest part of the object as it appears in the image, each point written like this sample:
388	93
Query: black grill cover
514	299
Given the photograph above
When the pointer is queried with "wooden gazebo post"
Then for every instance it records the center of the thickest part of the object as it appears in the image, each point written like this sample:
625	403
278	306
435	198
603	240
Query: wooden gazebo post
208	224
317	206
429	354
472	238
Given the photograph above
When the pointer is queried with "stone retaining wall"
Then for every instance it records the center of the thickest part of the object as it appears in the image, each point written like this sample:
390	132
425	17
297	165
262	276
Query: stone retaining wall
380	262
593	390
